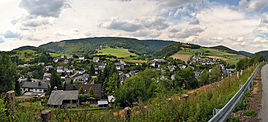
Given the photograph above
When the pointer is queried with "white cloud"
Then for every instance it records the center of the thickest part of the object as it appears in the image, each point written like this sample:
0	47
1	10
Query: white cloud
195	21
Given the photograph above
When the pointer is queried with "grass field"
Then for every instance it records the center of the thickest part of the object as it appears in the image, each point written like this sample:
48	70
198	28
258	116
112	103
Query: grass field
185	54
55	54
25	55
118	52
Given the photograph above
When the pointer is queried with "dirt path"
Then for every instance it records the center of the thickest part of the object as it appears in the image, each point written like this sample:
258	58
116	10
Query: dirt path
264	110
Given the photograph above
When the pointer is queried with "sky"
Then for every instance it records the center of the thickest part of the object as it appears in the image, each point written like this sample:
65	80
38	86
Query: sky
238	24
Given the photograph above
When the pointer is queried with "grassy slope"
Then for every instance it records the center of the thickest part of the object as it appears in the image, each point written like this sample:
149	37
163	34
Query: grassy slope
186	53
118	52
22	56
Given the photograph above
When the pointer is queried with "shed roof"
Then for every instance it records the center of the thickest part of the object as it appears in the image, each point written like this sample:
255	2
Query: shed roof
57	96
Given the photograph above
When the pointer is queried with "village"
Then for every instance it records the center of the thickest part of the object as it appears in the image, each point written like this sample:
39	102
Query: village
81	86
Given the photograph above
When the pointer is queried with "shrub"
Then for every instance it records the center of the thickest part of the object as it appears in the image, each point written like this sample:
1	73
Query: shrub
3	116
250	113
234	119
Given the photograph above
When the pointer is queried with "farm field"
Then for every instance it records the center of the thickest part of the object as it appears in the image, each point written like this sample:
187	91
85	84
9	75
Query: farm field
55	54
118	52
186	53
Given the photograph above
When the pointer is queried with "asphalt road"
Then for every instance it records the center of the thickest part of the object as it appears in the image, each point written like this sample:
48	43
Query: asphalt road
264	110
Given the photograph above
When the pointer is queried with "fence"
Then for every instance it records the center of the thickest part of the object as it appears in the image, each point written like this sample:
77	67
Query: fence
222	114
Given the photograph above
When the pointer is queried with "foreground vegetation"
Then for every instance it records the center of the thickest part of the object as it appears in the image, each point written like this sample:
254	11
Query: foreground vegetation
164	107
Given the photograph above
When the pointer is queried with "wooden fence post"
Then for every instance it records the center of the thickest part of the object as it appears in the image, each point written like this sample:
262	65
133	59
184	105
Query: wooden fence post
46	115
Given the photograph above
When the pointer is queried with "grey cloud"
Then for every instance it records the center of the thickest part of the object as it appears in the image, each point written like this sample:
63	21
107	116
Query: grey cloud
156	23
10	34
148	34
44	8
174	30
187	33
169	3
174	3
123	25
253	5
32	38
190	32
194	21
36	23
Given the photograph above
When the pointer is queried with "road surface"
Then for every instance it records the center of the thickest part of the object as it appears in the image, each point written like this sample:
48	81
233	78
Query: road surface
264	110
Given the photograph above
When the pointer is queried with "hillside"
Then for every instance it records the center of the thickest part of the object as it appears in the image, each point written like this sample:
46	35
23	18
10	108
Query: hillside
248	54
264	53
184	51
91	45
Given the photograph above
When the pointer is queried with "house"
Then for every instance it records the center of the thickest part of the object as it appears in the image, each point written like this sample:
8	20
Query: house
55	60
59	98
84	78
69	57
42	63
103	103
95	87
96	59
230	70
34	87
181	66
101	66
171	68
60	69
22	79
82	58
81	71
134	72
119	66
24	65
66	61
123	63
47	68
47	76
111	99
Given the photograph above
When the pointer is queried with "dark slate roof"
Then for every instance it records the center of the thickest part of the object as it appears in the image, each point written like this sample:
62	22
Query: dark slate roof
57	96
96	88
36	85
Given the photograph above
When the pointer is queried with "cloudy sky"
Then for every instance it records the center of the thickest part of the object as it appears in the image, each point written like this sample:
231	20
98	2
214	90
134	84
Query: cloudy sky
239	24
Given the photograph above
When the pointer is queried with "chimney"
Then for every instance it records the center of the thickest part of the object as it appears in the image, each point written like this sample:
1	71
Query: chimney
39	83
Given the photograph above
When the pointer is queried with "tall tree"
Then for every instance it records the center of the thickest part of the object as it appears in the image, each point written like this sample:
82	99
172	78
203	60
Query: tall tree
204	78
8	73
55	80
81	90
17	88
112	84
91	92
215	74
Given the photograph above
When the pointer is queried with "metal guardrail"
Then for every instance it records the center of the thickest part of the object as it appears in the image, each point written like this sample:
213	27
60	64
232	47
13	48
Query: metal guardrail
222	114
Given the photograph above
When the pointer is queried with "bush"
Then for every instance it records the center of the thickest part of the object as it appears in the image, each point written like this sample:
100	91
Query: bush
250	113
3	116
234	119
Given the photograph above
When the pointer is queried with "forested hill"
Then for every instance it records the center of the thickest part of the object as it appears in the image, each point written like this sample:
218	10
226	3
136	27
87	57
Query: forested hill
90	45
264	53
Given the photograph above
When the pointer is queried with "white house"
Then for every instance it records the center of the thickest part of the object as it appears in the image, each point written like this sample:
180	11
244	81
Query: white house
39	87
